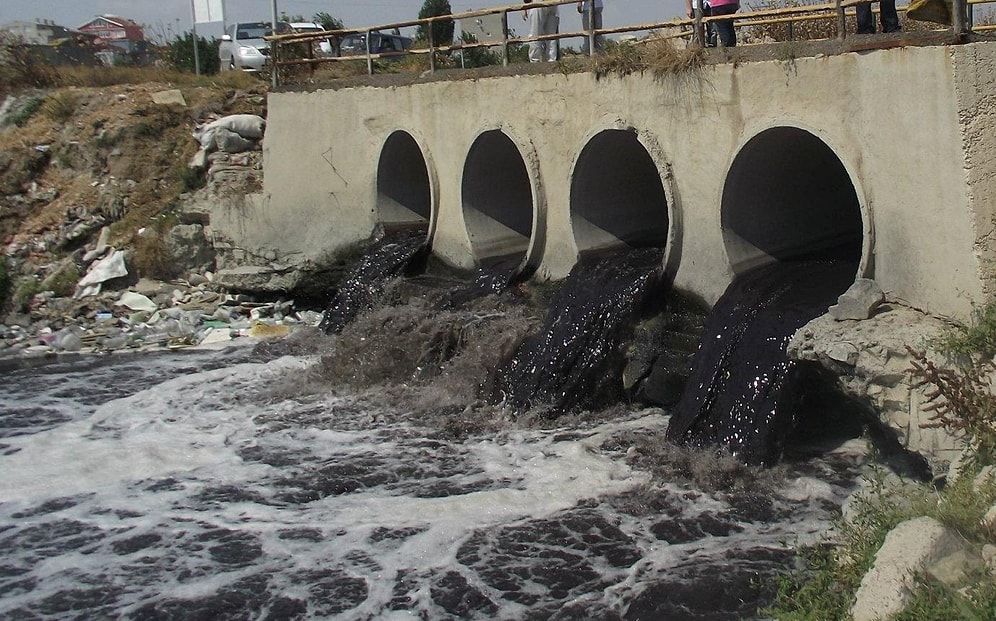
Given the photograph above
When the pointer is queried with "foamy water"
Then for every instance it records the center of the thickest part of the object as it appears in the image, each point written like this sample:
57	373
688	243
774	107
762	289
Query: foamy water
178	487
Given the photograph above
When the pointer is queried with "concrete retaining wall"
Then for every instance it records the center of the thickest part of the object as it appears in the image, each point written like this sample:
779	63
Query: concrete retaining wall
912	129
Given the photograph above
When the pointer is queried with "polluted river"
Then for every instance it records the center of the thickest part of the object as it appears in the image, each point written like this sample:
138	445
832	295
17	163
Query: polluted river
437	449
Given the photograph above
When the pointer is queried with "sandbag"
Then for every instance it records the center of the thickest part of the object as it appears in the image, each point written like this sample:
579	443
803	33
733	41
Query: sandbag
228	141
248	126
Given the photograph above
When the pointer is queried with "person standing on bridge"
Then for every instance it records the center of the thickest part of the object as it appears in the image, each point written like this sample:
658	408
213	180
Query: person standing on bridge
887	14
591	19
543	20
724	27
709	29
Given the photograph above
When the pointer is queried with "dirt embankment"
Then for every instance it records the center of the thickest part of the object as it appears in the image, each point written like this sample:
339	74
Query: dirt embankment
88	171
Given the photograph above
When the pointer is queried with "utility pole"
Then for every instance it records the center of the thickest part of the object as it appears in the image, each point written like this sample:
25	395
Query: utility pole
273	48
197	54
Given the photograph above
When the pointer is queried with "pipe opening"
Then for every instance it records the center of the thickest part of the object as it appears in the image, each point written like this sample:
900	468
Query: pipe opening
617	195
404	193
789	197
497	201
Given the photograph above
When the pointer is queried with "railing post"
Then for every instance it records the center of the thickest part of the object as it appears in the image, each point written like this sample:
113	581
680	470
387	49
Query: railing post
504	38
274	60
958	18
432	50
841	22
699	28
591	29
370	60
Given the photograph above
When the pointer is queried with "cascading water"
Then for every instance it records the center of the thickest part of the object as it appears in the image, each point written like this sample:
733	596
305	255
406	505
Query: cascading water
357	476
742	391
576	359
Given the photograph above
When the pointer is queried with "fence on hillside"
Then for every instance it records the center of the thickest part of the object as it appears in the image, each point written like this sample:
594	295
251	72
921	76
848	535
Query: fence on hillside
299	50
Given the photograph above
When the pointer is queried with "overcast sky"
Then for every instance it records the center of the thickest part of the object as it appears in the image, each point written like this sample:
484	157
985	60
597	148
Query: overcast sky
169	15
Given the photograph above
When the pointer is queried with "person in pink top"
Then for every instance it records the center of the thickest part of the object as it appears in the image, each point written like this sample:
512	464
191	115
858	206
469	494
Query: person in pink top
724	27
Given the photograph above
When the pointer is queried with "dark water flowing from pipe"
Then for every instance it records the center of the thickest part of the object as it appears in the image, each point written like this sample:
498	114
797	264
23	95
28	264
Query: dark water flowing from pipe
576	359
388	258
743	387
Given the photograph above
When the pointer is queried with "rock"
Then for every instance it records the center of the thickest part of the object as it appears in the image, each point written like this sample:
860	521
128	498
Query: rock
846	353
190	248
859	301
955	569
879	373
170	97
989	558
909	548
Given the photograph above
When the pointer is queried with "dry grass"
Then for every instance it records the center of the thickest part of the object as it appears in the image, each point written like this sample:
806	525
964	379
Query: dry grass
659	56
111	76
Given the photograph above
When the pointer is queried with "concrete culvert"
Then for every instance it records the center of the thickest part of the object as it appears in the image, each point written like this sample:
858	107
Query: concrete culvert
404	193
617	195
788	196
497	201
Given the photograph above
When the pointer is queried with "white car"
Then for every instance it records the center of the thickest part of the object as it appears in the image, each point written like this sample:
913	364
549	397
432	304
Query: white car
243	48
322	47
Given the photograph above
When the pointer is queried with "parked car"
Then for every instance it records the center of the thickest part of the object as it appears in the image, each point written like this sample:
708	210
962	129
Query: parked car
380	43
322	47
243	48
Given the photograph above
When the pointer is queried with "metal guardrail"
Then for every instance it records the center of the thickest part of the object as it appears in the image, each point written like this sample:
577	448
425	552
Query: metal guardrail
680	28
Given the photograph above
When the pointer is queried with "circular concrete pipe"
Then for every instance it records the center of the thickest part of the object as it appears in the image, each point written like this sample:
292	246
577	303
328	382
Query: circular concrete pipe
617	195
788	196
497	201
404	192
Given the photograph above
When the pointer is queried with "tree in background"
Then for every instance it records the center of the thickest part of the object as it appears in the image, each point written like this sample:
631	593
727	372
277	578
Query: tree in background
179	54
442	30
328	22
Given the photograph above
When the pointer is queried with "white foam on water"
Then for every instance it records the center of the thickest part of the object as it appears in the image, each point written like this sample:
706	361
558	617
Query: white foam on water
201	486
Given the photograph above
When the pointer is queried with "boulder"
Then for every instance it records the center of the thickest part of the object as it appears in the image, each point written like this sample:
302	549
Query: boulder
910	548
190	248
873	366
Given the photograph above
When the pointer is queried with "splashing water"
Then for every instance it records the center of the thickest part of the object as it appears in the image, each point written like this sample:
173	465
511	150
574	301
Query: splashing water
388	258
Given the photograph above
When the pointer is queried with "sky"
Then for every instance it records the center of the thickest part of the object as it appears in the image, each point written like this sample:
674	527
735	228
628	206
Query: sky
170	16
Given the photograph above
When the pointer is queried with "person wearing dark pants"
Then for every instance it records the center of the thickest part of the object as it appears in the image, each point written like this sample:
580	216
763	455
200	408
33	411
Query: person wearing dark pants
724	27
887	14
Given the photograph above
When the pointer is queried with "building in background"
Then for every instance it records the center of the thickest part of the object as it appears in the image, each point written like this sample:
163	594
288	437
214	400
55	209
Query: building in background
56	44
122	39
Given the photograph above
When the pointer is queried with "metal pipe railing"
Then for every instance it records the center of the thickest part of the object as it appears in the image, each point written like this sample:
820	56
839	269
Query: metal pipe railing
836	9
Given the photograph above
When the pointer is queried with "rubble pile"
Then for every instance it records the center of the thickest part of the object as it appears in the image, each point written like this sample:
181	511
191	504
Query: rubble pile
147	314
72	235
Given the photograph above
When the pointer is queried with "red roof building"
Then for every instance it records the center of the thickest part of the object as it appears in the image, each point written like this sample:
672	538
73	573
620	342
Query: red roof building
118	32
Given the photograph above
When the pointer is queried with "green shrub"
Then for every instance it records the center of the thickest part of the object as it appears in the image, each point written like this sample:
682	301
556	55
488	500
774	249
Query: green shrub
25	290
825	590
61	106
21	116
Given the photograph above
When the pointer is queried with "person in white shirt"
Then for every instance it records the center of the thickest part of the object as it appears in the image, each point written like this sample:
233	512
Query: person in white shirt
543	20
591	19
